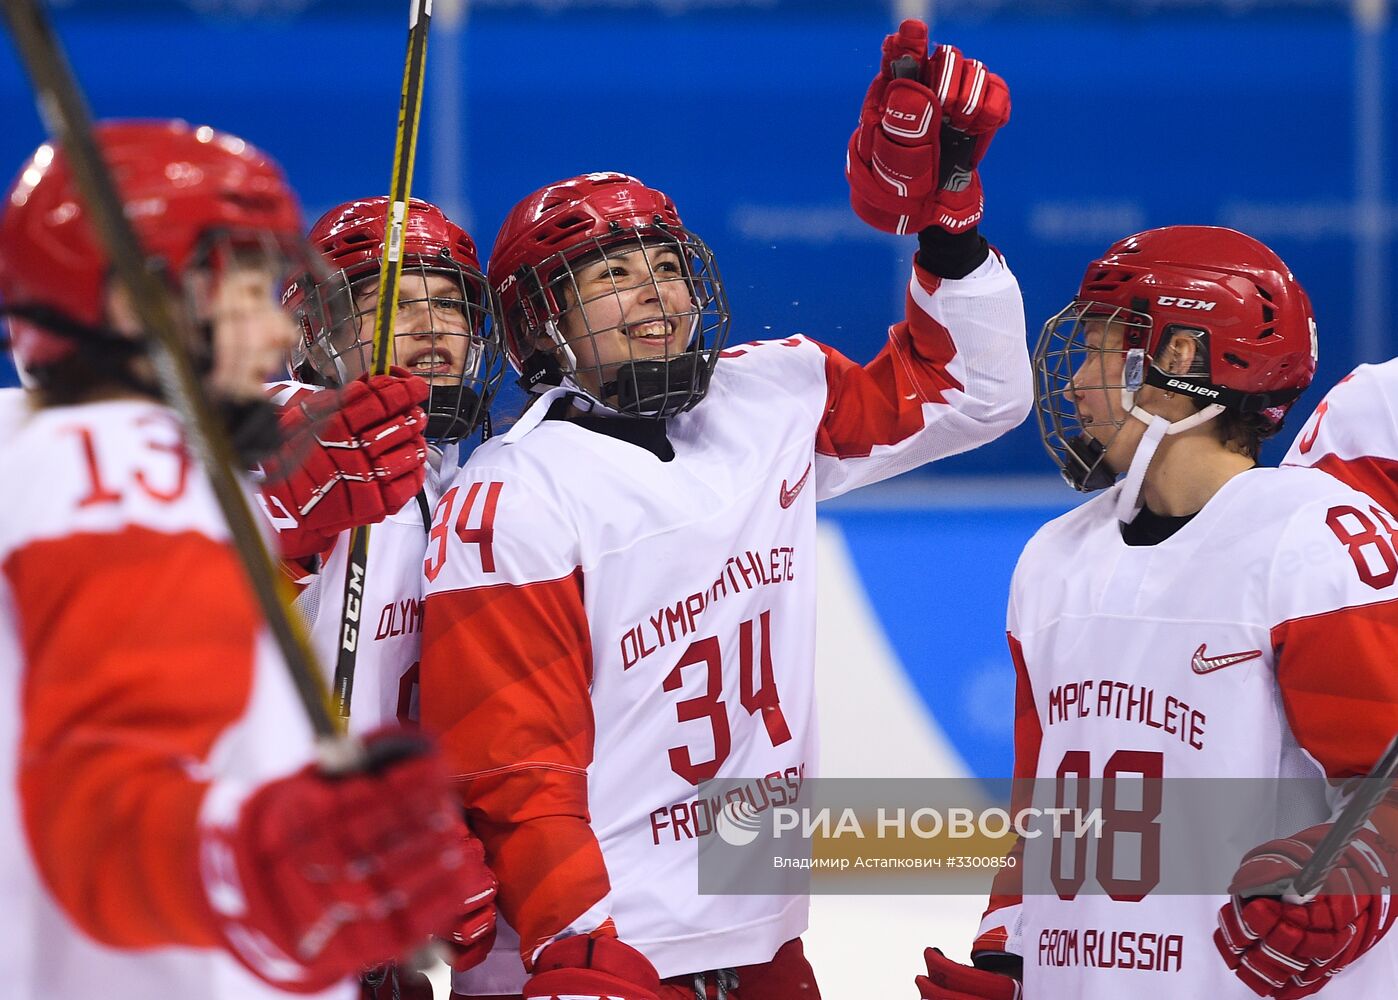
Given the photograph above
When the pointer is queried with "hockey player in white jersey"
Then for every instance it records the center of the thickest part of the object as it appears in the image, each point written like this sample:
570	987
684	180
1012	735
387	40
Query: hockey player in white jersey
162	830
1202	618
621	589
1353	433
380	446
375	449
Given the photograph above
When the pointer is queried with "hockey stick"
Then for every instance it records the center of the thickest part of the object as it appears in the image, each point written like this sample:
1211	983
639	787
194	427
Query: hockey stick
390	272
68	120
1303	886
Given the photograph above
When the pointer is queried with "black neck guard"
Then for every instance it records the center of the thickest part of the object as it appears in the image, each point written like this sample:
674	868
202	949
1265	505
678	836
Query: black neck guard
646	434
1150	528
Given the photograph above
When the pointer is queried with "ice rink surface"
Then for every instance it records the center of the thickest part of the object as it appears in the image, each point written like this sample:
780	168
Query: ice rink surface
870	947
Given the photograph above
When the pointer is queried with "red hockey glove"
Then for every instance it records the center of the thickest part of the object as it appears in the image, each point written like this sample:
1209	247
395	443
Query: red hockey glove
1287	950
912	160
587	966
473	931
349	458
948	980
975	105
315	877
892	160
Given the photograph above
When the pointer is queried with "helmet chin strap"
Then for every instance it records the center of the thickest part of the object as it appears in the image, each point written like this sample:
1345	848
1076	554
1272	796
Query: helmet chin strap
26	377
341	372
1128	500
561	342
1158	428
567	381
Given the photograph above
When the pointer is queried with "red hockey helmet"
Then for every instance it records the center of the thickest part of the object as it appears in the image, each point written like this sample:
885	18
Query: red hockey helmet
577	221
455	349
181	186
1252	319
350	236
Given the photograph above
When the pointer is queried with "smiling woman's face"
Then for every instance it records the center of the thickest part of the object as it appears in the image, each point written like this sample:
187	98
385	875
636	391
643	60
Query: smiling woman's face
635	304
431	327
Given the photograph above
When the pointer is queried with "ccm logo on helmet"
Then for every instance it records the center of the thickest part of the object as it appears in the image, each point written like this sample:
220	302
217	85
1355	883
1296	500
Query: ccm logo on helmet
1197	390
1178	303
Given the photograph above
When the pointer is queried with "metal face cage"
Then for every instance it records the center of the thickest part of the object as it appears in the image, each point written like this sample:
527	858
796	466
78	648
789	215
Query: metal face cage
635	320
444	333
1078	352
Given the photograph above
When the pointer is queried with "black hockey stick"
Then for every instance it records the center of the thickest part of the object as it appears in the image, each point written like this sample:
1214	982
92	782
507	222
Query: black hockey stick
1304	885
390	272
66	116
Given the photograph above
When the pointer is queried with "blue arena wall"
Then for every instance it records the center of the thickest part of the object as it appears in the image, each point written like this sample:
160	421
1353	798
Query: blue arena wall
1122	121
938	582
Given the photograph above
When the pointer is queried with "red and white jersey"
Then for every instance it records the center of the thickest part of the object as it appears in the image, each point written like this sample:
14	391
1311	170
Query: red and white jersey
135	673
390	629
606	630
1353	433
1255	642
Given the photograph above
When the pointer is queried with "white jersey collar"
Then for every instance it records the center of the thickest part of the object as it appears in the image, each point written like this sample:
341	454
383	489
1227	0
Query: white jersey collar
538	410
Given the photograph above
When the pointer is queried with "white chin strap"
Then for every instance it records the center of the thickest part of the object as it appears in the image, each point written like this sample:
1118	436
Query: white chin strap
560	342
26	379
341	372
594	405
1128	501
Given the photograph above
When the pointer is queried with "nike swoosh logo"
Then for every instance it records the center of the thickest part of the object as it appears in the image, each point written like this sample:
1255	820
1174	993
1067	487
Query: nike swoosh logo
1208	664
788	496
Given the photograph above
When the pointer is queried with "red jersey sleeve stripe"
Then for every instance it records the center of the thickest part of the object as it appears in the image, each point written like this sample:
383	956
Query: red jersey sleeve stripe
1006	889
1373	475
138	654
1339	684
881	403
506	675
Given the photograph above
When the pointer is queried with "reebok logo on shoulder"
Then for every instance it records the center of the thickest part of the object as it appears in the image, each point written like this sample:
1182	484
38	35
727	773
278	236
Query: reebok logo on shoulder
788	496
1208	664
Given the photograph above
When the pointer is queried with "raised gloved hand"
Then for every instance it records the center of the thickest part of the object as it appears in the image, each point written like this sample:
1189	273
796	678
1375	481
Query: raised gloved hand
948	980
593	967
925	125
1287	950
472	933
975	105
349	457
314	877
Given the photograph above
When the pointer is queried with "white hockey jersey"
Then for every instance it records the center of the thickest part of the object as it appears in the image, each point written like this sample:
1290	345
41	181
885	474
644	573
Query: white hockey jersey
135	671
606	630
1255	642
1353	433
390	633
